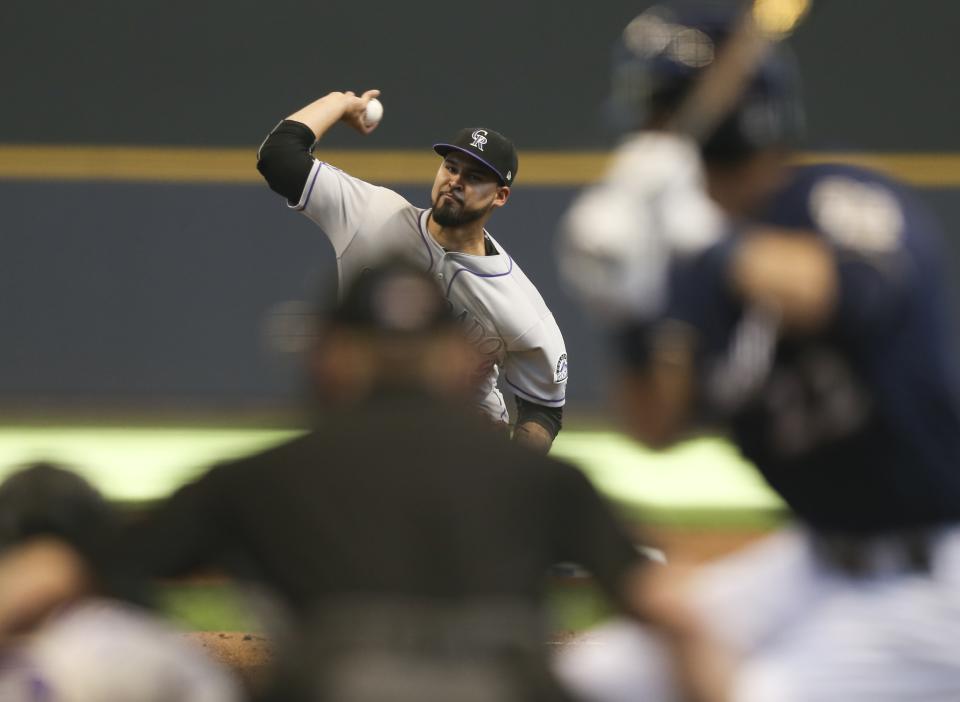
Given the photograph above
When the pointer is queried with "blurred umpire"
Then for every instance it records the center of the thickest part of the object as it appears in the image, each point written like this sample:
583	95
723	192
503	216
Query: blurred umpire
804	311
410	544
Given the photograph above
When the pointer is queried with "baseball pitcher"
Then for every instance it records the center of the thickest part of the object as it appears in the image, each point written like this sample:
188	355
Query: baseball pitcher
501	311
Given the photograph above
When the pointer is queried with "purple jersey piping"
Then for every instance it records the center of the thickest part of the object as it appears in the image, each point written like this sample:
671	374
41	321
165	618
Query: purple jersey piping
313	182
423	236
526	392
479	275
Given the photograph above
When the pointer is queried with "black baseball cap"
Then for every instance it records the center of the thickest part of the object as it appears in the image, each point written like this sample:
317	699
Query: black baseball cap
487	146
394	298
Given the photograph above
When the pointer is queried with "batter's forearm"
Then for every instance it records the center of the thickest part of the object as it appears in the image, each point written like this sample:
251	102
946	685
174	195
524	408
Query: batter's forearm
793	273
657	595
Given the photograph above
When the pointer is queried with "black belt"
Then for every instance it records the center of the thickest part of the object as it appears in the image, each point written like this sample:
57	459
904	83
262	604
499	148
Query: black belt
900	551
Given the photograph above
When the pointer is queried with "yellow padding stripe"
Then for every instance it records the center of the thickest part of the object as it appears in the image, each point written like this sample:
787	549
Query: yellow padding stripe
401	167
924	169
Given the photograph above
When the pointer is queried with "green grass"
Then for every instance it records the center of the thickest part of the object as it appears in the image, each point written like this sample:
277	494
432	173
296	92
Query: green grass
211	606
700	482
575	606
207	607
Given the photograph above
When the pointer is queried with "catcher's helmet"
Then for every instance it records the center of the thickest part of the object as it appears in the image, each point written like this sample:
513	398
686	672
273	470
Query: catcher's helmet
45	499
660	53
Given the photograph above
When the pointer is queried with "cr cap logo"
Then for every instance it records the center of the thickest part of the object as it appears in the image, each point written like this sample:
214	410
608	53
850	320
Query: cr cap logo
479	139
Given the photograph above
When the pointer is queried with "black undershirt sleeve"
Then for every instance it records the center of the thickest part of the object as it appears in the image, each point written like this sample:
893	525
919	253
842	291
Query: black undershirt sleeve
284	159
183	533
550	418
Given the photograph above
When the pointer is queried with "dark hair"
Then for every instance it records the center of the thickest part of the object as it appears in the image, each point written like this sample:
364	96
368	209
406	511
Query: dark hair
43	499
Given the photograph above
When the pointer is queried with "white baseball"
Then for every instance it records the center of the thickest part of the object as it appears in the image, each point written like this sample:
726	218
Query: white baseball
374	112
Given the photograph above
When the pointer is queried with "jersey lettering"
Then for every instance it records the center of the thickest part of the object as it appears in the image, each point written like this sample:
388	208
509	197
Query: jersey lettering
738	375
814	400
862	217
488	345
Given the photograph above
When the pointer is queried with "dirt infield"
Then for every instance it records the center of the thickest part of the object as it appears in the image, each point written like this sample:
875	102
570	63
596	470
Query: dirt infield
249	654
699	544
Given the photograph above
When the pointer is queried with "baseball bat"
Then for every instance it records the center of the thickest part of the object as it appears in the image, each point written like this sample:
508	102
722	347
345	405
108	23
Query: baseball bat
717	90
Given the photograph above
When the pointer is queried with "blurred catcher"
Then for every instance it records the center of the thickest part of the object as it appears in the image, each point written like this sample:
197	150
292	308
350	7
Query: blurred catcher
64	632
499	309
805	312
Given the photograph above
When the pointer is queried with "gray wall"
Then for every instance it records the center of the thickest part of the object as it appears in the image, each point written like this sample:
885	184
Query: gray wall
879	74
118	295
123	295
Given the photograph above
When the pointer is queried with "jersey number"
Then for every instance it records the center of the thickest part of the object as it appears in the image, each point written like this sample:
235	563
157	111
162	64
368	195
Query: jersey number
814	401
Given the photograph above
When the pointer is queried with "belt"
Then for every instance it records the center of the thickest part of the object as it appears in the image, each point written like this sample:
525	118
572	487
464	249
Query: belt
891	552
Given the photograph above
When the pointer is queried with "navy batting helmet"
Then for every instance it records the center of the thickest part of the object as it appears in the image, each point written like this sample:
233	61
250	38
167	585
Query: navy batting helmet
662	51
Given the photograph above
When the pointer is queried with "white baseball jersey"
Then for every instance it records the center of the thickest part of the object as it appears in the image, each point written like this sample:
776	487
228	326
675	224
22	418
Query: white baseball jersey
104	651
501	311
798	629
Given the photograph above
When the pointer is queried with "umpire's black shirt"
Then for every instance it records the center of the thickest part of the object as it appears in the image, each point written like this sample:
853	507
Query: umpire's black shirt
403	496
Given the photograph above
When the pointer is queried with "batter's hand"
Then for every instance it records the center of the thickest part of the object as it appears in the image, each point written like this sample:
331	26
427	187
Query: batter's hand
618	239
354	108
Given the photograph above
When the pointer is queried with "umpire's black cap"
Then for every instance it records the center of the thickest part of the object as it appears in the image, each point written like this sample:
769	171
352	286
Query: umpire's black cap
392	298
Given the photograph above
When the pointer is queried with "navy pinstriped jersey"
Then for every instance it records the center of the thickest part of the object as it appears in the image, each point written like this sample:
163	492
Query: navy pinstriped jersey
857	427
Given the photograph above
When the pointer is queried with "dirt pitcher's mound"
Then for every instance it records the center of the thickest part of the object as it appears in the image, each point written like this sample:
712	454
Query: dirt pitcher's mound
249	655
246	654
